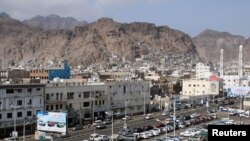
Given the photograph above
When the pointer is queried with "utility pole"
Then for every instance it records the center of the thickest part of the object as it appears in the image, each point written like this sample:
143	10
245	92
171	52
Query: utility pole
144	108
174	116
80	113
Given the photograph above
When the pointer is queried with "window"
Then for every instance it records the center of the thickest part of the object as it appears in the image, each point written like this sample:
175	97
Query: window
38	89
9	115
61	96
70	95
60	106
85	104
51	107
79	95
56	107
19	90
47	96
102	102
29	90
30	102
29	113
86	94
110	87
47	108
70	105
203	85
19	114
189	85
0	116
95	102
19	102
194	85
9	91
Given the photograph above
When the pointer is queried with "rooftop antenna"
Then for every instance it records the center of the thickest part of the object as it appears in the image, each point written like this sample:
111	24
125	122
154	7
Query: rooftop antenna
221	62
240	71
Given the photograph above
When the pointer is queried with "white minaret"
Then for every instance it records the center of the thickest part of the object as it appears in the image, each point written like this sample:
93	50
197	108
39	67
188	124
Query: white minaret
221	63
240	71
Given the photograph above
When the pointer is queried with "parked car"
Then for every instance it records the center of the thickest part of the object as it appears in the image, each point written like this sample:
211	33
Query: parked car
149	116
102	138
159	125
100	126
137	130
127	117
195	138
148	127
107	121
77	127
93	136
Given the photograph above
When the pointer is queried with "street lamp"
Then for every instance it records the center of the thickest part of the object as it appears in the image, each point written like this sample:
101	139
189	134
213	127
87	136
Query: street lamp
174	118
112	113
14	133
24	124
93	110
144	108
125	122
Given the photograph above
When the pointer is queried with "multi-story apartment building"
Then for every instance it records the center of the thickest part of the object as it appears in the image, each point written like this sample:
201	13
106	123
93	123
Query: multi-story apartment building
19	102
79	99
60	71
198	88
83	100
202	71
129	95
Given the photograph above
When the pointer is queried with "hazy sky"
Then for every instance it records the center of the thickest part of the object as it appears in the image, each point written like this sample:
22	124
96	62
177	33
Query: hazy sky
190	16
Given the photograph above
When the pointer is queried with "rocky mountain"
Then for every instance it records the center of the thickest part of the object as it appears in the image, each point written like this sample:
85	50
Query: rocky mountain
94	42
210	42
54	22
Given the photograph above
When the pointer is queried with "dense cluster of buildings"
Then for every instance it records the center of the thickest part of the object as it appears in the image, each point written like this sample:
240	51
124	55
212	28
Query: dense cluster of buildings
122	87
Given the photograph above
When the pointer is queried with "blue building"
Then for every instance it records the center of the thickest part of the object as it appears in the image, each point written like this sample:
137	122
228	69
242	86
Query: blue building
62	73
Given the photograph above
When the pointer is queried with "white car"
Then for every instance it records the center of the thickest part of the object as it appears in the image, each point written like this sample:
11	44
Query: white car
102	138
149	116
93	136
144	135
150	134
187	133
155	132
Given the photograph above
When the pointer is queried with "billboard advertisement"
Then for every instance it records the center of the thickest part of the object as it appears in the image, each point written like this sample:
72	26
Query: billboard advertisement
51	122
214	87
238	91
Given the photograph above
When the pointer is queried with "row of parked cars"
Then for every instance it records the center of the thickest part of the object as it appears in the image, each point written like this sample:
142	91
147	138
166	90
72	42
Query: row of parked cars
235	111
167	126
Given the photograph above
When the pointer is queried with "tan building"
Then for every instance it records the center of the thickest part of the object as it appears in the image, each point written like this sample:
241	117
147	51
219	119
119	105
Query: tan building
198	88
39	73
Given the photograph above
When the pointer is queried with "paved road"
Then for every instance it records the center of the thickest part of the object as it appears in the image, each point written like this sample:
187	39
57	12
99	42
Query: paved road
135	122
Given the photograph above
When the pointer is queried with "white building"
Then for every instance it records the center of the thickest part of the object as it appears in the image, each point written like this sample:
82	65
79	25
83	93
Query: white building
230	81
25	99
202	71
129	94
197	88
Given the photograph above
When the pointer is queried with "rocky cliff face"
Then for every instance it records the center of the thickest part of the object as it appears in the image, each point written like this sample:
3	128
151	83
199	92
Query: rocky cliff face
54	22
94	42
209	43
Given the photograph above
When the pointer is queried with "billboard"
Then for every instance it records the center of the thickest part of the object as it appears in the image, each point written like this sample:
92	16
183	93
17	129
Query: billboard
214	87
51	122
238	91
